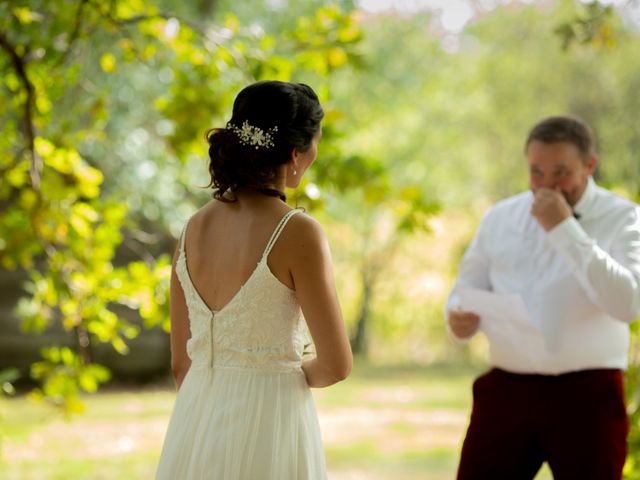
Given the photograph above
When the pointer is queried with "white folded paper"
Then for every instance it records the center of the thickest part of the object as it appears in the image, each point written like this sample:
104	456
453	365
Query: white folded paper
506	322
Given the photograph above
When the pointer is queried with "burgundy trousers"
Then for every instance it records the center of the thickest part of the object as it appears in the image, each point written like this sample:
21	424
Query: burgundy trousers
577	422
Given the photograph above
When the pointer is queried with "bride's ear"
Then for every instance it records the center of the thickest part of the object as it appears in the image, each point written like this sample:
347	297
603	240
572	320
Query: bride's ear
292	169
294	155
292	164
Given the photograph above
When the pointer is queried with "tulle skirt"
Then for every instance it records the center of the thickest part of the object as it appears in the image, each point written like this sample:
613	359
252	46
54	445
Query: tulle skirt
243	424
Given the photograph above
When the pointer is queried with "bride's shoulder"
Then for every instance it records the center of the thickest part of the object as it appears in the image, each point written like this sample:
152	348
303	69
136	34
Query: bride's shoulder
303	223
304	233
206	212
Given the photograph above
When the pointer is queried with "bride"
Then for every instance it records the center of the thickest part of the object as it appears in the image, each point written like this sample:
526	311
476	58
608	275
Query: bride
250	277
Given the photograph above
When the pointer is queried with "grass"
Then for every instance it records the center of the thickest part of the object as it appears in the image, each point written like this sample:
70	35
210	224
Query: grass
400	422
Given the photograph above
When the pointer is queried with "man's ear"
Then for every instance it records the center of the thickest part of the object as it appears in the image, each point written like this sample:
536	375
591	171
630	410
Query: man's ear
592	163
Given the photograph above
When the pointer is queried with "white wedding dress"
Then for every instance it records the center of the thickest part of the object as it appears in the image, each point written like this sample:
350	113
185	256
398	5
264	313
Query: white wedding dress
244	410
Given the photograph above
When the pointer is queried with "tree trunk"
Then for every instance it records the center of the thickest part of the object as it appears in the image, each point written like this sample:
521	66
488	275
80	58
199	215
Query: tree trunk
207	7
84	345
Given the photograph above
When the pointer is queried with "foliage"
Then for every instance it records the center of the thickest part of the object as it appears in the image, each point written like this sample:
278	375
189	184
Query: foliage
63	374
592	26
105	105
449	112
595	27
381	219
632	381
74	193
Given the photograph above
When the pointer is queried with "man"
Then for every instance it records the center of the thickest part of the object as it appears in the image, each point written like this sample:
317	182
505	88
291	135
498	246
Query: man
571	250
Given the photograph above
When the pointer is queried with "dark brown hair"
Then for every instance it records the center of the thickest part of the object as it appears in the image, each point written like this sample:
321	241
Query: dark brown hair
564	129
292	108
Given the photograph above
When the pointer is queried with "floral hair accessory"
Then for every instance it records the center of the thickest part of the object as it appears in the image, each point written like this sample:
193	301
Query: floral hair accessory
254	136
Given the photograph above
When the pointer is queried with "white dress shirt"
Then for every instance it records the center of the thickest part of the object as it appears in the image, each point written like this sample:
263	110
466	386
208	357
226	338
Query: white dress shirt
580	281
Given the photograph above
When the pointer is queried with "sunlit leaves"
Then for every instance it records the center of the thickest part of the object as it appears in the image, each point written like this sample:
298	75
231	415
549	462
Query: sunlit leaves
12	82
592	26
108	63
63	161
131	8
326	41
413	209
63	376
18	175
78	236
26	16
66	232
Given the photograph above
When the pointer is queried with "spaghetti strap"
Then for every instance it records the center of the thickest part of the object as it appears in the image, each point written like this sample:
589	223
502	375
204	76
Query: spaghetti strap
276	233
184	234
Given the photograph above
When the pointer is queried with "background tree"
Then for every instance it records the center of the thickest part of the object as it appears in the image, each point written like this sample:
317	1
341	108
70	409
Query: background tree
105	109
104	105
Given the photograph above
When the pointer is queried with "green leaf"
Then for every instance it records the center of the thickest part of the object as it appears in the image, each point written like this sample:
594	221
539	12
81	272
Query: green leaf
108	63
120	346
9	375
26	16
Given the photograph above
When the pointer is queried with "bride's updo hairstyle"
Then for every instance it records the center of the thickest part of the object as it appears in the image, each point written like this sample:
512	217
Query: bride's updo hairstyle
270	119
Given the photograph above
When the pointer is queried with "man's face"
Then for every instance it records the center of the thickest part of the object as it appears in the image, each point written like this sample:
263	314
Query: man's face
559	165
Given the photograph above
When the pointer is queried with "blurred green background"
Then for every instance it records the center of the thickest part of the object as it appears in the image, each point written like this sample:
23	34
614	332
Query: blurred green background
103	108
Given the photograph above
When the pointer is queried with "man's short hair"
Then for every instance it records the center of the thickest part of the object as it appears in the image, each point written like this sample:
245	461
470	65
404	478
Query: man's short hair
564	129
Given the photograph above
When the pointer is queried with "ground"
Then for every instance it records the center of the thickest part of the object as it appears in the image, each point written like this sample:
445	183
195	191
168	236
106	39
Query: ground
383	422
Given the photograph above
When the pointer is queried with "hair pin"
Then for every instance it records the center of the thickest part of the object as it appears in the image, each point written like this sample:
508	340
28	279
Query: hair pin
254	136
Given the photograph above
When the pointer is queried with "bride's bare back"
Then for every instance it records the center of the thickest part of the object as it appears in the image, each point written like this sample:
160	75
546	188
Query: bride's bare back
226	240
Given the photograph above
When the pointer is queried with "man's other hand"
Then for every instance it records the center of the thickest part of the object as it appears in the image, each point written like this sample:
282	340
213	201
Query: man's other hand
550	207
463	324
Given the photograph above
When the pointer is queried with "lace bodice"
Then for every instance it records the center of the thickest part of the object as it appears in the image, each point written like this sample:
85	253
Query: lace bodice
260	328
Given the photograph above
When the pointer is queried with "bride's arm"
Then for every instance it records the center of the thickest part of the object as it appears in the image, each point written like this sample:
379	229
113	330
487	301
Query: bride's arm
312	274
180	332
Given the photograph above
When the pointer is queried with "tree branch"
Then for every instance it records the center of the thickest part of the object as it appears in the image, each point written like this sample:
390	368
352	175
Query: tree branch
204	34
75	33
20	68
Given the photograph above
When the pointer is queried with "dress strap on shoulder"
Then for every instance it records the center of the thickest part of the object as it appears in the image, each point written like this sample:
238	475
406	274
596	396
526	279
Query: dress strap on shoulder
184	234
276	233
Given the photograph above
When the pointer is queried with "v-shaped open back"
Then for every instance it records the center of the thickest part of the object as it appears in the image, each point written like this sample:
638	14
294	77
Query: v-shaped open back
262	263
262	318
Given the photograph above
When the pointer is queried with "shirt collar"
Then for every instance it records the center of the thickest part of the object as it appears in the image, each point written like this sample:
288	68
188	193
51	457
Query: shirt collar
584	204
